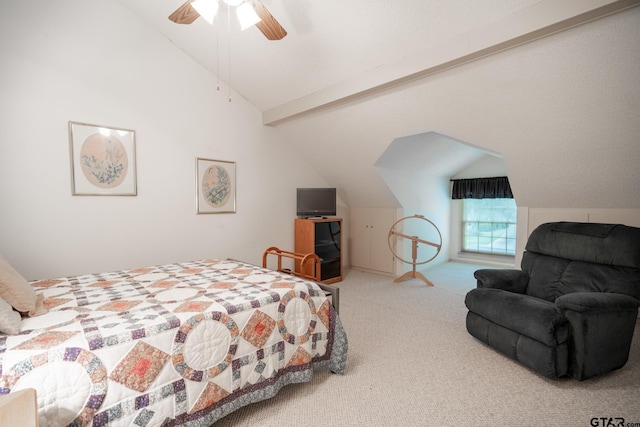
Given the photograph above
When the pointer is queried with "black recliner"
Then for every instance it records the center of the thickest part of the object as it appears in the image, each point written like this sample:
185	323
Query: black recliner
573	307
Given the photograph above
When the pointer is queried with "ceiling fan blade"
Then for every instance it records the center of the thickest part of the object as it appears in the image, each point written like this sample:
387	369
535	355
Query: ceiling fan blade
185	14
269	26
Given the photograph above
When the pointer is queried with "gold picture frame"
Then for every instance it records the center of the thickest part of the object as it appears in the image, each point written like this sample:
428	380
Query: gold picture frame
215	186
103	160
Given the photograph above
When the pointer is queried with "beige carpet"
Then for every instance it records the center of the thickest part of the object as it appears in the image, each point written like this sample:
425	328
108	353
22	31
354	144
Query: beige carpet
412	363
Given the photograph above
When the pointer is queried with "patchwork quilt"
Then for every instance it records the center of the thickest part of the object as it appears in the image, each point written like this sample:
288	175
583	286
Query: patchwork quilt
176	344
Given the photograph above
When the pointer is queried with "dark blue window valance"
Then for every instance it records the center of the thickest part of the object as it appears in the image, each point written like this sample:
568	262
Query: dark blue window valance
482	188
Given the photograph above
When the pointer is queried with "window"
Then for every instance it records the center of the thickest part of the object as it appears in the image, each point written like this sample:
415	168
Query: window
489	226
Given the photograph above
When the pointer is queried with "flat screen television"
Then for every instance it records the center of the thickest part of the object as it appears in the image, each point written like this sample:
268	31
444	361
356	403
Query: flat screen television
316	202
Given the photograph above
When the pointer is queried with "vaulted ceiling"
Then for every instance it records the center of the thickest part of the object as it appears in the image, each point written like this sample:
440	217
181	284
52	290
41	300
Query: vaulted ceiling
328	41
551	86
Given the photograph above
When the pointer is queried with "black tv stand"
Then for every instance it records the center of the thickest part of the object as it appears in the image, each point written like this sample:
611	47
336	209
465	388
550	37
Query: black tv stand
321	236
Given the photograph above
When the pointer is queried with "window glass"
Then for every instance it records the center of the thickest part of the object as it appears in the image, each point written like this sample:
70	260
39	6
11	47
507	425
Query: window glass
489	226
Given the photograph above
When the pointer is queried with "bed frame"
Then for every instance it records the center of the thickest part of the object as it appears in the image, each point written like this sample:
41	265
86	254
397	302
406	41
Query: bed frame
301	260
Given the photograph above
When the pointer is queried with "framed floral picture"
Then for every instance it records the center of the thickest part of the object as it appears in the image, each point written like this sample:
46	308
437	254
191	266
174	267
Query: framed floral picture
103	160
215	186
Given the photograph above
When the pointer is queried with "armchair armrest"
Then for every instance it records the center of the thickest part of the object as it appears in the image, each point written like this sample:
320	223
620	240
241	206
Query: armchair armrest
508	280
601	330
594	302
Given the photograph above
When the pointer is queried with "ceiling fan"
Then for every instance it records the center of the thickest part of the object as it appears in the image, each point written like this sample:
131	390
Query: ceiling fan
250	12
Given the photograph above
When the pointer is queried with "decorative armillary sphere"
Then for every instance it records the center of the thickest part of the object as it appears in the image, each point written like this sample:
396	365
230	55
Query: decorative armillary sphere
413	274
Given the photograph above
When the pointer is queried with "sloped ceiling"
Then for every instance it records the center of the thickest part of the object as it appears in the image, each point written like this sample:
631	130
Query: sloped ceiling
417	170
552	87
430	154
328	41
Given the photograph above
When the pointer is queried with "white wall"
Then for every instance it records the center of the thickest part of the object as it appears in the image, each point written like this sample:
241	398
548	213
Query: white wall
95	62
428	196
487	167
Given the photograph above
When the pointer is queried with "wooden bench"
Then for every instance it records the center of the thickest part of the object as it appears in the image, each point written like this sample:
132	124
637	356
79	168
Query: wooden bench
303	259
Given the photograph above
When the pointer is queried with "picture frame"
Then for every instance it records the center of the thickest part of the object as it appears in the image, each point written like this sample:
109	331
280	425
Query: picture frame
215	186
103	160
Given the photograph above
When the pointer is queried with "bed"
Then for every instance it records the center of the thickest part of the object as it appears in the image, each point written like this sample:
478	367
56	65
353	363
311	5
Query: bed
176	344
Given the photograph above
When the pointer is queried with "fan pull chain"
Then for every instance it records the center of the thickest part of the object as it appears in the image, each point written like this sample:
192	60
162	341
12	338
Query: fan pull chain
229	46
217	55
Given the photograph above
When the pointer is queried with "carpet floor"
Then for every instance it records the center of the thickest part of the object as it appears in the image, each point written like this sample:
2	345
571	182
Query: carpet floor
412	363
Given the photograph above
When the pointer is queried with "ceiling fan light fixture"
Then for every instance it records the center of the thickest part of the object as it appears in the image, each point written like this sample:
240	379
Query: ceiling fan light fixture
206	8
234	2
247	16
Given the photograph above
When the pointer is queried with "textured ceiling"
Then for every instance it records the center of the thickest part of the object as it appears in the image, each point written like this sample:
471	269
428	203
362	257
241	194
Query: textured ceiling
328	41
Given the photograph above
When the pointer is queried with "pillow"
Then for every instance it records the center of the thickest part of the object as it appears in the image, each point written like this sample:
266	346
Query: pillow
9	319
15	289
